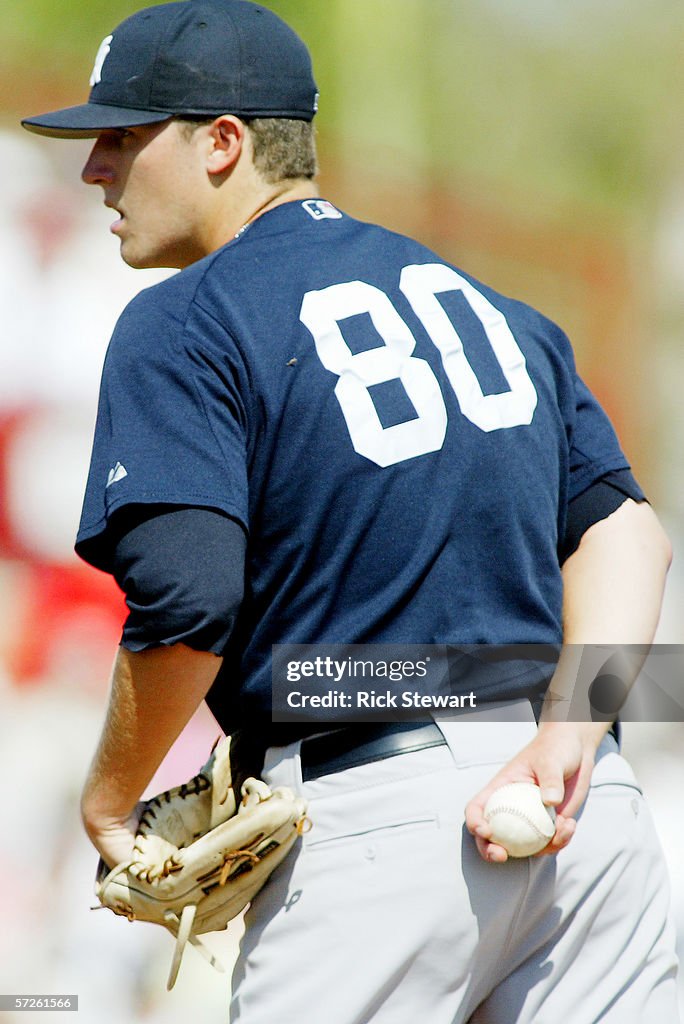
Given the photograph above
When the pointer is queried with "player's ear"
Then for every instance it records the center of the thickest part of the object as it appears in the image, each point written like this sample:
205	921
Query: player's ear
227	136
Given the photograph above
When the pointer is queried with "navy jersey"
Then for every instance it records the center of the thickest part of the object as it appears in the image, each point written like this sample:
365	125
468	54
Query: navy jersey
399	441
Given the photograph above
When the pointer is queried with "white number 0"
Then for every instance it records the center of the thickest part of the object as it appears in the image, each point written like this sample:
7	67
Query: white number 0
321	313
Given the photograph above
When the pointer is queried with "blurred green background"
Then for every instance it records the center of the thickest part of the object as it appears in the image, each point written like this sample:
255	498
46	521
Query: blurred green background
567	101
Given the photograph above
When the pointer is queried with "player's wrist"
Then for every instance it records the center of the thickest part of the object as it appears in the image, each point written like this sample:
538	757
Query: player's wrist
100	821
589	734
113	836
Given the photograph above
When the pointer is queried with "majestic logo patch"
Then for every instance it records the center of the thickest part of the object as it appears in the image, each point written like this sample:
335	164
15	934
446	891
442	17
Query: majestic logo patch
102	54
117	473
321	209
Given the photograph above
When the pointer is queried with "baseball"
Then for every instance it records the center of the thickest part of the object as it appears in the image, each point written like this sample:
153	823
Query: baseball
520	822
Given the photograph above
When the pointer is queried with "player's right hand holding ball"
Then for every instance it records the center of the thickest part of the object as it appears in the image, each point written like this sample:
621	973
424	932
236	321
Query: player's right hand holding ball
559	761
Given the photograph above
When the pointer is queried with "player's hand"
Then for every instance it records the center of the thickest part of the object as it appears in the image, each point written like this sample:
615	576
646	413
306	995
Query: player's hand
559	760
114	838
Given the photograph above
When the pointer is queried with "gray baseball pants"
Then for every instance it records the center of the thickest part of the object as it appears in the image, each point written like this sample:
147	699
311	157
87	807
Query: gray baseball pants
387	914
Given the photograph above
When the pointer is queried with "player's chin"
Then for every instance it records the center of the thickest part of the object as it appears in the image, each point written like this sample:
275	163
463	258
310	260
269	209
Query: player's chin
137	259
140	258
131	255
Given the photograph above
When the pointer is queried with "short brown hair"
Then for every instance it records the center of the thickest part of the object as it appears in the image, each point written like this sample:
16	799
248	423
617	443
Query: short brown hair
284	148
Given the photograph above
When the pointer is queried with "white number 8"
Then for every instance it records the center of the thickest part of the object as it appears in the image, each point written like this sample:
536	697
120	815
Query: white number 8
321	313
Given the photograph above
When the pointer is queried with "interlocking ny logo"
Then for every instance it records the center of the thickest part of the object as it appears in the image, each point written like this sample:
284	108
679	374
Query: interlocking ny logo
102	54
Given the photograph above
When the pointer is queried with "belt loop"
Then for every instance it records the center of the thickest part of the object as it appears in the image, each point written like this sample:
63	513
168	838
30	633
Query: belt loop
282	768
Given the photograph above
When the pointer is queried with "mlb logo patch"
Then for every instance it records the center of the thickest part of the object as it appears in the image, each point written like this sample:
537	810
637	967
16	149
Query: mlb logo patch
321	209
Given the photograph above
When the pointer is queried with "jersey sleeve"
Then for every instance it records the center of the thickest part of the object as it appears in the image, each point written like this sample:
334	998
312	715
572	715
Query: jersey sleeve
594	447
171	422
603	497
182	571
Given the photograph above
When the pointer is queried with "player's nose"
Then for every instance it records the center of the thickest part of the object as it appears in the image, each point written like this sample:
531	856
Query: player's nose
98	168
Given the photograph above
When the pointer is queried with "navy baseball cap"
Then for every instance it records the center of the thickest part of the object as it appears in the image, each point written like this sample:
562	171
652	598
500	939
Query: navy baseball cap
193	57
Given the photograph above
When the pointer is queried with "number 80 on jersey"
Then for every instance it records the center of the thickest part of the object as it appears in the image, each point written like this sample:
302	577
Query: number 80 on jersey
322	311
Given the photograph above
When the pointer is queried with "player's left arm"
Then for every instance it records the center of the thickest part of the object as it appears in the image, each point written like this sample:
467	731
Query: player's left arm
153	695
613	589
182	572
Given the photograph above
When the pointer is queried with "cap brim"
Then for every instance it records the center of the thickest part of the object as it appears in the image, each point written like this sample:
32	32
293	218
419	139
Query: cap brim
86	120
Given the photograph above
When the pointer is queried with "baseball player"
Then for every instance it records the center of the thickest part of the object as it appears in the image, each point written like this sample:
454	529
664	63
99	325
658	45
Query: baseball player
321	432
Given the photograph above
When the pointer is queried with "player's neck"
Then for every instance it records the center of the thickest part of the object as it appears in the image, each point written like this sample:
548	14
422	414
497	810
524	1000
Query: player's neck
247	205
276	195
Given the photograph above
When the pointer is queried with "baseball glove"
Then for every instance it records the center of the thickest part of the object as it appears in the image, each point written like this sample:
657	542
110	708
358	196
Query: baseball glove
200	856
